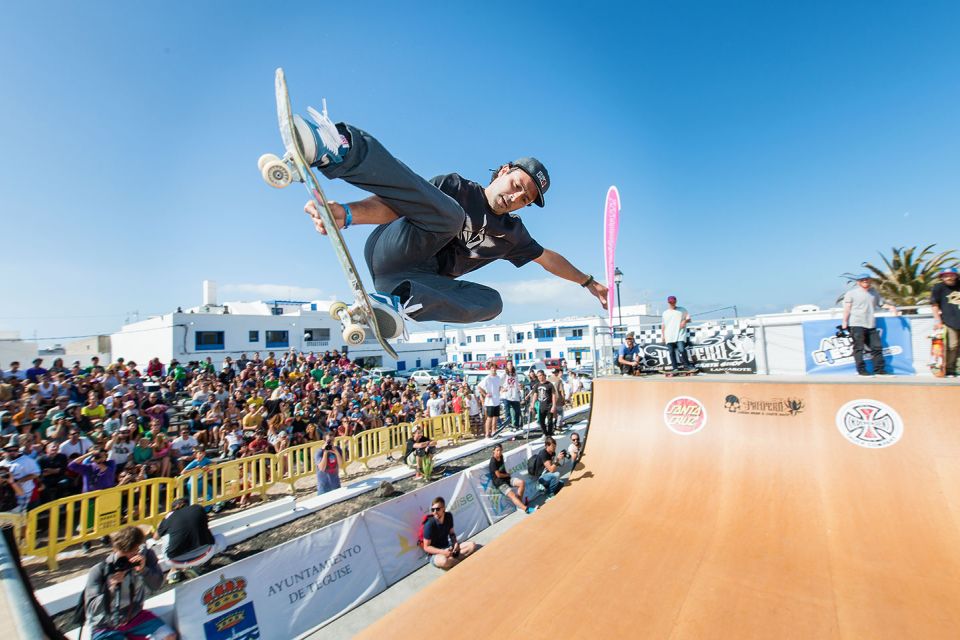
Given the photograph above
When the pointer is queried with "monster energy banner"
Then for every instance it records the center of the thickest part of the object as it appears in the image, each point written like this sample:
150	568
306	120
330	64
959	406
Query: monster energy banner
727	350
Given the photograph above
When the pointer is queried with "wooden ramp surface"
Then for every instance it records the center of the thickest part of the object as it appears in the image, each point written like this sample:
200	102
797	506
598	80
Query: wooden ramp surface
762	524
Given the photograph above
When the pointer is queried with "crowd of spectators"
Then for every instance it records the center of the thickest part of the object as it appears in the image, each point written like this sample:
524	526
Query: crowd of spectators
67	430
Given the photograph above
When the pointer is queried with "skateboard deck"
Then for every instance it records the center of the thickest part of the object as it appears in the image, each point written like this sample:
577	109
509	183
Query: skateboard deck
938	360
671	374
364	314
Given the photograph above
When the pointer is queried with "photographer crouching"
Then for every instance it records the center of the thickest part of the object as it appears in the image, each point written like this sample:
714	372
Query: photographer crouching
117	588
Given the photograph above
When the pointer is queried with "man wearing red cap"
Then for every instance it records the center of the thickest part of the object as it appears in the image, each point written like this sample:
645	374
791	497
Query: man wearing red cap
430	233
675	321
945	299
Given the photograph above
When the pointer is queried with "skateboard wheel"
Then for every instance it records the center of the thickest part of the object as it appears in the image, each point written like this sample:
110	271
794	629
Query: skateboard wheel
353	334
276	173
265	158
336	308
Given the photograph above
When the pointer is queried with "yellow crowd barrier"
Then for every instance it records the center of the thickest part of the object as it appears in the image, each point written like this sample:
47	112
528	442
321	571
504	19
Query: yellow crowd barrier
63	523
580	398
57	525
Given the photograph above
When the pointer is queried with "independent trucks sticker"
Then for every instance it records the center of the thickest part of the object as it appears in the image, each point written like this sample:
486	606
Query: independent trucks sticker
869	423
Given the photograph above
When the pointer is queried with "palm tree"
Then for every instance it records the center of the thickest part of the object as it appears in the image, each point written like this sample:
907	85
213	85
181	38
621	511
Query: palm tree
906	278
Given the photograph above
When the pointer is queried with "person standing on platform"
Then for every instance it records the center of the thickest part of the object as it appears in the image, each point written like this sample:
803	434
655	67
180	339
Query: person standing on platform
859	304
945	299
675	321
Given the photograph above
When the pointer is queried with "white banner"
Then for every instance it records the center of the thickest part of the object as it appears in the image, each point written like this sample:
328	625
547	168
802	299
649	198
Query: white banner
395	525
496	505
285	591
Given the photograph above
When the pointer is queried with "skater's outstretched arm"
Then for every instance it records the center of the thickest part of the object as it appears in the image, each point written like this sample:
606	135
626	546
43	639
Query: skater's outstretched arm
372	210
561	267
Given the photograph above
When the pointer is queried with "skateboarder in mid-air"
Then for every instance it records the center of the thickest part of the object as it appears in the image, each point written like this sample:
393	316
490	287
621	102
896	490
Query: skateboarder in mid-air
431	232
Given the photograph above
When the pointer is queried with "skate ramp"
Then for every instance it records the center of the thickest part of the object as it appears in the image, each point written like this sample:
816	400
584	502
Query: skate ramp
753	517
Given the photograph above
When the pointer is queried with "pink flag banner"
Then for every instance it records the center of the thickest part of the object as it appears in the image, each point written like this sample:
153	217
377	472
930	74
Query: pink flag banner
611	227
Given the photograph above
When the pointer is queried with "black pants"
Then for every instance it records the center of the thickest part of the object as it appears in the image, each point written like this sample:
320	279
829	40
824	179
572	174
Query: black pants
402	254
547	420
865	339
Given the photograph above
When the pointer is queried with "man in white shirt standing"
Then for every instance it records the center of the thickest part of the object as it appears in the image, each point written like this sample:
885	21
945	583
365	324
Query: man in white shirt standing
859	304
435	404
489	389
675	321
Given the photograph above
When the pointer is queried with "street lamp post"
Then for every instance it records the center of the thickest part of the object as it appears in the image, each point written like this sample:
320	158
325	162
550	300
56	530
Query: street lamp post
617	279
446	353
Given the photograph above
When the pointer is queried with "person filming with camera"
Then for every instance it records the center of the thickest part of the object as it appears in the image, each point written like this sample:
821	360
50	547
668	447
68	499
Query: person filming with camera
328	461
10	493
117	588
545	466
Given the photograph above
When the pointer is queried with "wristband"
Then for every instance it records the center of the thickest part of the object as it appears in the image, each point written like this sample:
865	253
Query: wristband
349	218
588	282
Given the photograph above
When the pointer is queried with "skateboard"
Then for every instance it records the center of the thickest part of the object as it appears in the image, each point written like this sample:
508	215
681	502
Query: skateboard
938	361
688	372
280	173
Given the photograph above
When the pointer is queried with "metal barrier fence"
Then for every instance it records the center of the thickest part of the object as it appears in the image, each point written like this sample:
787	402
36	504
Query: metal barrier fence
60	524
580	398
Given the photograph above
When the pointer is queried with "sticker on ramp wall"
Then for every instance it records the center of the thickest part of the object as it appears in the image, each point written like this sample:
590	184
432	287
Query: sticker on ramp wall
869	423
685	415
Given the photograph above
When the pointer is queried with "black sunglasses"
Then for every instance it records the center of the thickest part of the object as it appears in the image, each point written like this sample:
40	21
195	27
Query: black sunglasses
435	509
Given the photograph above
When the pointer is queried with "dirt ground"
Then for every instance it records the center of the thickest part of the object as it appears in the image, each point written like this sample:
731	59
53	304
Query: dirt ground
42	577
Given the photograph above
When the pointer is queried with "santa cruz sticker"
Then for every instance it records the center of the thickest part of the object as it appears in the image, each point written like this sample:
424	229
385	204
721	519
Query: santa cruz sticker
685	415
869	423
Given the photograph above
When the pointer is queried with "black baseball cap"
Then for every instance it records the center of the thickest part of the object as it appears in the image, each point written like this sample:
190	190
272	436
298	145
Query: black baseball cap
535	169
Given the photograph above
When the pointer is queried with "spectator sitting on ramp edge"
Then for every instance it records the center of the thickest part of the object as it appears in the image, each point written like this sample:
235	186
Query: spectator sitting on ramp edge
439	540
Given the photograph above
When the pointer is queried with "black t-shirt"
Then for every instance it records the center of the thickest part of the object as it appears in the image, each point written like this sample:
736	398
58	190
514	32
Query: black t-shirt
542	457
413	441
188	530
436	534
498	465
948	299
8	498
485	236
544	391
56	461
298	425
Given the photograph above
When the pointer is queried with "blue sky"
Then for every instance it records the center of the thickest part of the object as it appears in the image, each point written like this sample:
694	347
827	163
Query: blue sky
760	150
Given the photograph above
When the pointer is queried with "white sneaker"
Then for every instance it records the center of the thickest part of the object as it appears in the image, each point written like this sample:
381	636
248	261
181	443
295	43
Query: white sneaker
391	315
322	143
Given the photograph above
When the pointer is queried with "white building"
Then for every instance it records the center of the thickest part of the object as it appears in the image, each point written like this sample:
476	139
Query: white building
13	349
234	328
570	338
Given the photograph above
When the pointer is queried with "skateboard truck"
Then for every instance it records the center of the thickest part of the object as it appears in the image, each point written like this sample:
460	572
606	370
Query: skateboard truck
353	333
